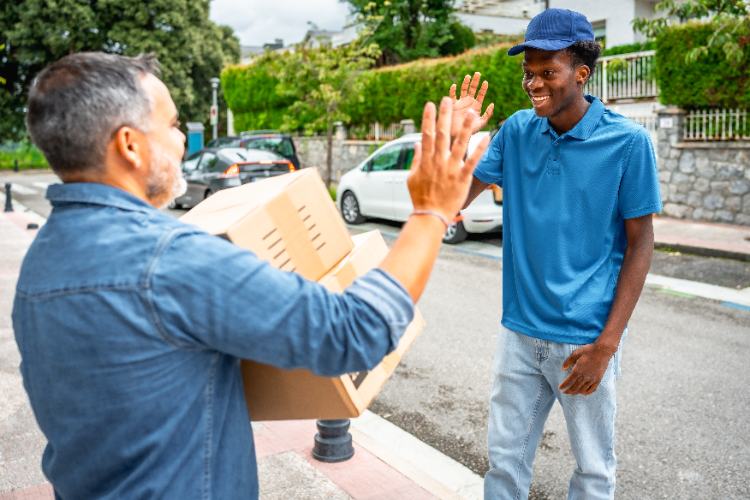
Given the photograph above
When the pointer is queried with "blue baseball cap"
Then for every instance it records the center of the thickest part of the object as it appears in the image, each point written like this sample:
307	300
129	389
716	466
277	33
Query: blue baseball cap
555	29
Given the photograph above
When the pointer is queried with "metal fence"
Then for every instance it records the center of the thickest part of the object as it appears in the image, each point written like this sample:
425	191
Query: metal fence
378	132
624	76
716	125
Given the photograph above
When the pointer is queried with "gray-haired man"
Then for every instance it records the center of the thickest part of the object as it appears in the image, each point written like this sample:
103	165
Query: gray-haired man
129	331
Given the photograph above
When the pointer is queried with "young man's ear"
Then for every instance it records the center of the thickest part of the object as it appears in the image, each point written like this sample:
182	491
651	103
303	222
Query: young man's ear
583	73
129	145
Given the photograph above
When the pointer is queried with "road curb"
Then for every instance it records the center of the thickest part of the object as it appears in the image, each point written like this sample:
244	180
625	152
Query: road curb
703	251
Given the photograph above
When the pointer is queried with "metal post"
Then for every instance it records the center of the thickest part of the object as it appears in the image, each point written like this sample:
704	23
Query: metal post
8	198
215	121
333	443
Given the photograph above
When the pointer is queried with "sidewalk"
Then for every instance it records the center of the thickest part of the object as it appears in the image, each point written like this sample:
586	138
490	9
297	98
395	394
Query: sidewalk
703	238
388	463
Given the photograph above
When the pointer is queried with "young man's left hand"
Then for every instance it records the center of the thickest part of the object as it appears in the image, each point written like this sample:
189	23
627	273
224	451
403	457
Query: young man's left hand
589	364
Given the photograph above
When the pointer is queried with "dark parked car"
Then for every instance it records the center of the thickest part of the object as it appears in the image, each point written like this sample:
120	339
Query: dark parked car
267	140
212	169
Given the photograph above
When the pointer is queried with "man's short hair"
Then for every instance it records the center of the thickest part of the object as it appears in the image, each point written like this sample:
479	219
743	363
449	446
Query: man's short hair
77	103
585	52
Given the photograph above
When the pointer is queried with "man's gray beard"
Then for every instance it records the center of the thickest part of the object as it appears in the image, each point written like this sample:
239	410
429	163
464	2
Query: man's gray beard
156	186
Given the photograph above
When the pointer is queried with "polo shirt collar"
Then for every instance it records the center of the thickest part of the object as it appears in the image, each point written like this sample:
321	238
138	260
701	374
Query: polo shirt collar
586	125
95	194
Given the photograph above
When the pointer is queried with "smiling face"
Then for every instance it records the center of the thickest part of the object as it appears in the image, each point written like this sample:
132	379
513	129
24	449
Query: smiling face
552	83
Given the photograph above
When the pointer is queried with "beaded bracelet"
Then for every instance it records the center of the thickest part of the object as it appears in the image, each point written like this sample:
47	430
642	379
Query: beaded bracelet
434	213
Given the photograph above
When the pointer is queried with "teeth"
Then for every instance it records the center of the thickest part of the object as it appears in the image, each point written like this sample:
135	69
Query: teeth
540	98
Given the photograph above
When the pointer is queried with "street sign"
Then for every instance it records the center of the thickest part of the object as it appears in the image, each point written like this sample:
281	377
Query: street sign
214	115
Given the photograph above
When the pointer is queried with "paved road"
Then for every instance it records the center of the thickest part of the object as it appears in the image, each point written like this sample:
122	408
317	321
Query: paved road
683	432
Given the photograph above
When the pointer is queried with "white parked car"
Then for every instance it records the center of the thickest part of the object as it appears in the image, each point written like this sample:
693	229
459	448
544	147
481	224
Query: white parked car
377	188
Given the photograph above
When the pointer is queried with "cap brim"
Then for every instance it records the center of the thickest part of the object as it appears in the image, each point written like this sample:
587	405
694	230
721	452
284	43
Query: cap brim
541	45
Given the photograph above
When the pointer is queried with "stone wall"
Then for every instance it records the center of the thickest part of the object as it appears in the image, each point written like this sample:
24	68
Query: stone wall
707	181
347	154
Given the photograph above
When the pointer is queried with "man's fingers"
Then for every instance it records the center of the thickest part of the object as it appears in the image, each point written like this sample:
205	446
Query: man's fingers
461	141
571	360
474	84
443	131
476	155
428	131
565	385
465	86
482	92
416	161
452	91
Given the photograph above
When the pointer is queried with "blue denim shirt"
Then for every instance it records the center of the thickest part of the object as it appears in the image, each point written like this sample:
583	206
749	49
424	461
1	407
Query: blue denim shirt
130	326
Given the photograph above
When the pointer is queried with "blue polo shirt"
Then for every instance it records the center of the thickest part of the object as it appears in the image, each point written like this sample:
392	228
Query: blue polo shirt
565	200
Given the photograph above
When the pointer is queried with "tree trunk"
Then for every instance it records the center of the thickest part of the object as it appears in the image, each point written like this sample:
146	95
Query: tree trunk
329	156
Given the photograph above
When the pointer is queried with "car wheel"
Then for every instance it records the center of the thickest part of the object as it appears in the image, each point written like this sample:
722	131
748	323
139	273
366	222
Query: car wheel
456	233
207	193
350	209
173	205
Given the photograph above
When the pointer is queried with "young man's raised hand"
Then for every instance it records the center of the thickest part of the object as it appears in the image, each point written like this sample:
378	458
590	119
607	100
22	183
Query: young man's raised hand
470	103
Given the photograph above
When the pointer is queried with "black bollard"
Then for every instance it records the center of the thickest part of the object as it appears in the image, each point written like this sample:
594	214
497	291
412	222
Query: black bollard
15	165
8	198
333	443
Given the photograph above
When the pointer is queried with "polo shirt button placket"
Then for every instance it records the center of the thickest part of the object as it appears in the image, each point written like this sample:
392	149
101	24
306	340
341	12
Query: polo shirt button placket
553	165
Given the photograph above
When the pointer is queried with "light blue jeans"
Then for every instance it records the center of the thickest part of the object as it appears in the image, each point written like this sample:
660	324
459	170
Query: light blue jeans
526	376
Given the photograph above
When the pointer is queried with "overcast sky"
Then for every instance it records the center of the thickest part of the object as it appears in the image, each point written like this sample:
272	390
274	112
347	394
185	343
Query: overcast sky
256	22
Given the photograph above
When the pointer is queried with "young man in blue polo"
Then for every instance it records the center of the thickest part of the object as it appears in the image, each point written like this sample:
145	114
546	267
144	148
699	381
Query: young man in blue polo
580	186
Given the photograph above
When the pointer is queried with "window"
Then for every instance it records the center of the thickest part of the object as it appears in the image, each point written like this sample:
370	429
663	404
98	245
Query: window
385	160
279	145
408	157
191	163
208	161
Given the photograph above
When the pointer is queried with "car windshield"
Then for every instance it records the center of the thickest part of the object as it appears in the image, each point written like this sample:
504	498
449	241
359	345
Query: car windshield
280	145
247	155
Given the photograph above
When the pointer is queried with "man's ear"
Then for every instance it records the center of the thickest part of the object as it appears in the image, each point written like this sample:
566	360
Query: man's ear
583	73
130	146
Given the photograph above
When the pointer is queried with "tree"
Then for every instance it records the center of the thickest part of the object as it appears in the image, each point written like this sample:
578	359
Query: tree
321	79
730	21
412	29
190	48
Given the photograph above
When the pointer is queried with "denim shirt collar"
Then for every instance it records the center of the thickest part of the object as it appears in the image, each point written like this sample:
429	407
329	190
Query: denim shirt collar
95	194
585	126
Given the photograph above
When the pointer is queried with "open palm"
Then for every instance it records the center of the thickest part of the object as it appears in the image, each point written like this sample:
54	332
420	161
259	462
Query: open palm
470	102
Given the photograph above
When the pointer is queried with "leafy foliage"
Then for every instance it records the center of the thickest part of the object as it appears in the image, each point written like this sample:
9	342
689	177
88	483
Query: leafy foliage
729	21
411	29
386	95
190	47
706	82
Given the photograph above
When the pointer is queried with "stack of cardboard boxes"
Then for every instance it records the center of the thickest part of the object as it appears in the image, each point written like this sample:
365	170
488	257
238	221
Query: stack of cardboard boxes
291	222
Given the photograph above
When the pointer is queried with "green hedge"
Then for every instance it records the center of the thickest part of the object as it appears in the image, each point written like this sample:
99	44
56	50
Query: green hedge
390	94
27	154
708	82
394	93
629	47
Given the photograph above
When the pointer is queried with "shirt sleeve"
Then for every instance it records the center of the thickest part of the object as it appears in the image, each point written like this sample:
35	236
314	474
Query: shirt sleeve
206	293
639	186
490	168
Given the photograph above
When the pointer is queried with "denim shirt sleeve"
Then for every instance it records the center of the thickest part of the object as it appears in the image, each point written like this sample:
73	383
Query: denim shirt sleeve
490	168
206	293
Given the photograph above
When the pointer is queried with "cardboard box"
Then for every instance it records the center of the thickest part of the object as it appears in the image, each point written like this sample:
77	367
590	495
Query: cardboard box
275	394
288	220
